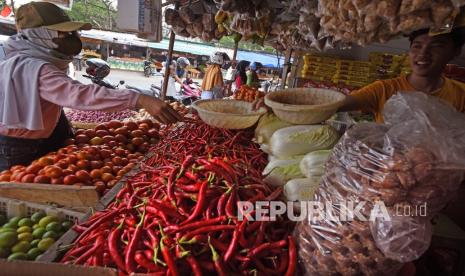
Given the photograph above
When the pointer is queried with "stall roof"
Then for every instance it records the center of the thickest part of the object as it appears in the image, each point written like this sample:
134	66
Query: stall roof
183	46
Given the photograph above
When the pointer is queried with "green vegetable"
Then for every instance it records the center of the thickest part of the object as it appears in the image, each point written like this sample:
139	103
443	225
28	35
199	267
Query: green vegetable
24	229
25	222
37	216
18	256
267	125
300	140
38	233
22	246
50	234
8	239
313	163
278	172
33	253
26	236
44	244
46	220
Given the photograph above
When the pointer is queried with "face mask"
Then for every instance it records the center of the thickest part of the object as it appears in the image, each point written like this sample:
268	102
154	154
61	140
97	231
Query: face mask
70	45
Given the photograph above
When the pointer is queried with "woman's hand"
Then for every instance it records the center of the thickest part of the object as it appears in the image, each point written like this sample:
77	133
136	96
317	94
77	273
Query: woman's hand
158	109
258	103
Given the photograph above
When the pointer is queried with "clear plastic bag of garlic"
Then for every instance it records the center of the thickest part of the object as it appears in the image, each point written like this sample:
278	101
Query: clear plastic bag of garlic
398	175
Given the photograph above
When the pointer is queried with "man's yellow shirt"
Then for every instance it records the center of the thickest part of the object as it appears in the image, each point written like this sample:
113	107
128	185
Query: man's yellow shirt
374	96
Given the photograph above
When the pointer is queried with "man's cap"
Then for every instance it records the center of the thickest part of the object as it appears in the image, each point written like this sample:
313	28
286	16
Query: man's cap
47	15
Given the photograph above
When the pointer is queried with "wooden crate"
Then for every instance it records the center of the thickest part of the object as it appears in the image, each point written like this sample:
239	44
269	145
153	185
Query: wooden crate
72	197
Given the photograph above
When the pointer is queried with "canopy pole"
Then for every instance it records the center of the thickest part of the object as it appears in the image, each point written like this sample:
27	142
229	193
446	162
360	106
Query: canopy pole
287	65
168	60
236	46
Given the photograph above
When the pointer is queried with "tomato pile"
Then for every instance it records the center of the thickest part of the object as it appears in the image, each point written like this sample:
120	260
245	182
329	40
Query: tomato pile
248	94
179	214
98	157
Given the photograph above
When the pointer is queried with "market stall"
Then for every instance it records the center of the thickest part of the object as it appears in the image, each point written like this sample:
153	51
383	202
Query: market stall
139	197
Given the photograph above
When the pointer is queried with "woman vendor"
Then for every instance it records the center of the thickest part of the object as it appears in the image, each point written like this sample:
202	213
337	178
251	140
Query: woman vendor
34	86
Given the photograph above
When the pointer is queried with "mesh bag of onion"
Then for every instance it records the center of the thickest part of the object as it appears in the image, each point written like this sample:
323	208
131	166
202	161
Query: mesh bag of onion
382	185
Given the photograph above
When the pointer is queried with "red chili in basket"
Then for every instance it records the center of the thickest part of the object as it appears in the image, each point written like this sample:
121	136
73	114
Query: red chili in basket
113	238
170	261
292	257
131	248
219	266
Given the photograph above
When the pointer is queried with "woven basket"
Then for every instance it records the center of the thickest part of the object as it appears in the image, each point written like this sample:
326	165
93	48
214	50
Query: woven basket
304	106
230	114
83	125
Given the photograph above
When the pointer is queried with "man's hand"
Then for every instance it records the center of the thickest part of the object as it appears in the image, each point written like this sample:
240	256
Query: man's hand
158	109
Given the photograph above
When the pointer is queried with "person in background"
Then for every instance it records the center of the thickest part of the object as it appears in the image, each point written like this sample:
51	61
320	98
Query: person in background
229	78
182	63
213	74
34	86
241	73
428	57
252	76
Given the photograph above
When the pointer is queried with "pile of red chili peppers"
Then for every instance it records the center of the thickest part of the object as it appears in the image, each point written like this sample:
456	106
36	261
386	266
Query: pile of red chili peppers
178	215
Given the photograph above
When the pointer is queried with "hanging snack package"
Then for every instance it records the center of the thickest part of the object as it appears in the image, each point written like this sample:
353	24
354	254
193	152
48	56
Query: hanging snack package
382	185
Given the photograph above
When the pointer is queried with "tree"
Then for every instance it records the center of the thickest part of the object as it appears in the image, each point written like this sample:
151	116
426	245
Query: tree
100	13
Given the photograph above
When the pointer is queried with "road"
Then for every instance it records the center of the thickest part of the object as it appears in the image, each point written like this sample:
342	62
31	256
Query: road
132	78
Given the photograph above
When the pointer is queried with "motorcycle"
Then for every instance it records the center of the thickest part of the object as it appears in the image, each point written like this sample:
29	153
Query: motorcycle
148	69
153	92
97	69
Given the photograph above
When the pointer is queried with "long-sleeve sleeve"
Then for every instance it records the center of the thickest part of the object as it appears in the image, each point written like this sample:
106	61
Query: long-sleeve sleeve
56	87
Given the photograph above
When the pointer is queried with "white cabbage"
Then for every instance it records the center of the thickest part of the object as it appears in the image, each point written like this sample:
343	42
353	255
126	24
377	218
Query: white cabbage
301	189
278	172
302	139
267	125
313	163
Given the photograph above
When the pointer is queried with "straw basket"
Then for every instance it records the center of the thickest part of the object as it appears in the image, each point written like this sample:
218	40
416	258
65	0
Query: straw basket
230	114
304	106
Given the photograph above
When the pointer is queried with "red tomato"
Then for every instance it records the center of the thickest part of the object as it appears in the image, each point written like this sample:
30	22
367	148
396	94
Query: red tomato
115	124
83	175
122	130
57	181
101	127
73	168
131	125
82	139
102	133
5	177
28	178
100	186
82	164
137	133
90	133
96	164
34	169
96	173
42	179
106	169
106	177
70	179
46	160
53	171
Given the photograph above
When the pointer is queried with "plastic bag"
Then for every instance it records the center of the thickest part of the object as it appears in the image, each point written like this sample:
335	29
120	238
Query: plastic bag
398	175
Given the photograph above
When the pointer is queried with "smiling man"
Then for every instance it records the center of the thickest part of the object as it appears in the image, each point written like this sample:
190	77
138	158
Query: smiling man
428	56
